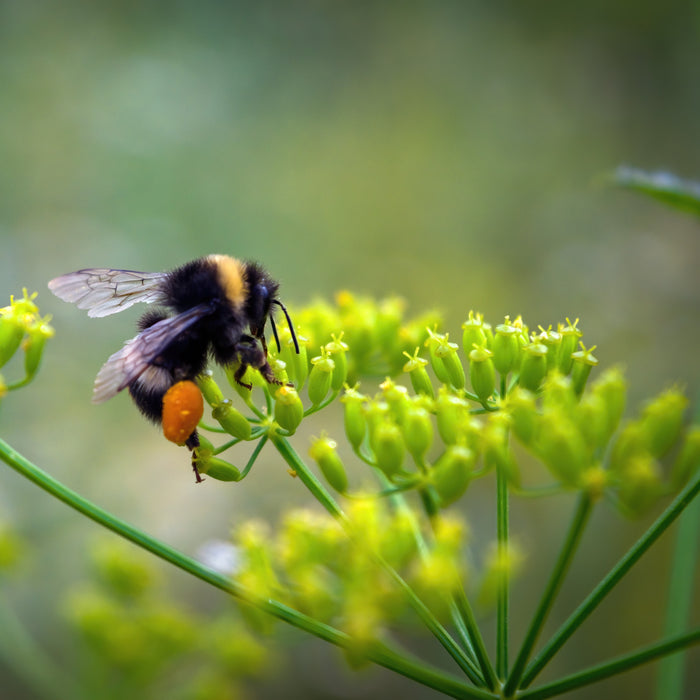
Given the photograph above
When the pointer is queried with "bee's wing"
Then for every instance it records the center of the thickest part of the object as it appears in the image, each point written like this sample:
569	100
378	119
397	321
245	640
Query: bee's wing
127	364
103	291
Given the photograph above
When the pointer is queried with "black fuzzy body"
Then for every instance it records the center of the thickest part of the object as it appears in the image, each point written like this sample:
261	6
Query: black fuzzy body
232	329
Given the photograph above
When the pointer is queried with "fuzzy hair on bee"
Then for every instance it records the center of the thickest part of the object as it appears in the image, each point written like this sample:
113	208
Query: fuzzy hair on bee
214	307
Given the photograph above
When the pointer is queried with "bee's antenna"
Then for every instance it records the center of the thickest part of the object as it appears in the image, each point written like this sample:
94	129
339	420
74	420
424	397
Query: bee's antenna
274	332
289	323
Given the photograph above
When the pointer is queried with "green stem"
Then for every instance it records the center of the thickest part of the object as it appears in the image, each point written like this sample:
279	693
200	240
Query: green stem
556	579
378	653
329	503
503	579
612	668
254	456
477	641
669	681
611	580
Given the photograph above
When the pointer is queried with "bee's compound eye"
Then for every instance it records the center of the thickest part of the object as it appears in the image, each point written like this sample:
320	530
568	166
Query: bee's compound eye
183	407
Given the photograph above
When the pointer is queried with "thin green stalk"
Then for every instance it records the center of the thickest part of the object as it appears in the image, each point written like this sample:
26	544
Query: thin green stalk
669	681
611	580
329	503
504	578
578	524
378	653
612	668
474	635
460	609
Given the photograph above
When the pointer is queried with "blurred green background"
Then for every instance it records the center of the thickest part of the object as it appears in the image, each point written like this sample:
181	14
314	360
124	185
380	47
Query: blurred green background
449	152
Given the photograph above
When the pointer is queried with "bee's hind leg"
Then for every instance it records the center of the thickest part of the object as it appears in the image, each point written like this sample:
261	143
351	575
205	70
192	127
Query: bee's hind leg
192	442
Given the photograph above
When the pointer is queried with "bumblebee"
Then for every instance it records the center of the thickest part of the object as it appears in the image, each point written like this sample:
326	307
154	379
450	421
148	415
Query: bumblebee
213	307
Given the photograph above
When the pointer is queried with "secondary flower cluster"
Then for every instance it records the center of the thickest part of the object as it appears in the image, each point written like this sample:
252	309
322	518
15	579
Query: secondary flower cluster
22	326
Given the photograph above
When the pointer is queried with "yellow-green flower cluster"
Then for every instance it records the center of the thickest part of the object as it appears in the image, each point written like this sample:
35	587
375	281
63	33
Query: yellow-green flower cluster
333	572
22	326
137	635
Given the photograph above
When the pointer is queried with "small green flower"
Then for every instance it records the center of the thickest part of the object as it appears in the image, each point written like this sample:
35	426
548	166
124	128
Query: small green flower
506	347
289	410
662	421
533	367
447	352
231	420
420	381
551	339
297	364
209	388
432	342
417	431
451	413
482	373
354	416
473	332
452	473
337	349
562	448
324	452
688	460
320	377
583	363
522	409
570	335
388	446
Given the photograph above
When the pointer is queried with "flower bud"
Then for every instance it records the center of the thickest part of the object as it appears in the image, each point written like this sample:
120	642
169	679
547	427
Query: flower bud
387	444
562	449
417	431
452	473
420	381
447	352
569	339
396	397
473	332
451	412
297	364
506	347
320	378
218	469
522	410
482	373
209	388
611	388
639	485
183	408
591	418
354	416
11	334
231	420
337	349
289	411
436	361
662	421
688	460
324	452
583	363
37	335
533	367
551	339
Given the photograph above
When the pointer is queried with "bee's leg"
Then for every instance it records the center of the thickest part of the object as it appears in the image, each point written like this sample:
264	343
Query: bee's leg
192	442
251	353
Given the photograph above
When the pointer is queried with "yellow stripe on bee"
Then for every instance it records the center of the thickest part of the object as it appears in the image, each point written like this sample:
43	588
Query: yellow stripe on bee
231	274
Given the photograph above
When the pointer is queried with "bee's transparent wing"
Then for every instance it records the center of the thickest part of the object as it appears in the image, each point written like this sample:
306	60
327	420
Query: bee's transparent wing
103	291
134	358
